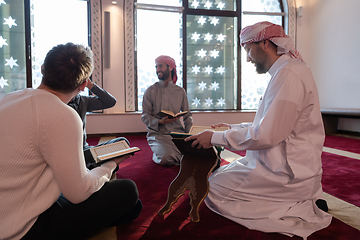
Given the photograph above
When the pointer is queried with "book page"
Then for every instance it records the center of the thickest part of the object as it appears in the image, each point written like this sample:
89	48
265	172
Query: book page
118	153
168	112
109	148
198	129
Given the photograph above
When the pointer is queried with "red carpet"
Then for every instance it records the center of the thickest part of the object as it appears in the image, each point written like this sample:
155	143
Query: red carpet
153	181
343	143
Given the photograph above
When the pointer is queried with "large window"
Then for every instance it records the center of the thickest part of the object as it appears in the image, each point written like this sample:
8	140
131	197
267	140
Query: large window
35	26
12	47
202	37
55	22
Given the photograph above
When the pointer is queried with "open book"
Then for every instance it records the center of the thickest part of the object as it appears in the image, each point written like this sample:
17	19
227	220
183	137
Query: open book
170	114
196	130
107	152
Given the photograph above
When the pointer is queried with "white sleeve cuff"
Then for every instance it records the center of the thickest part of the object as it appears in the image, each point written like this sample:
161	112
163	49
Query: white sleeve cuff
218	139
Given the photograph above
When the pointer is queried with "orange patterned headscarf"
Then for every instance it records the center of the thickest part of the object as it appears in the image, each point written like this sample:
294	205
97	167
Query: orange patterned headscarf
269	31
169	61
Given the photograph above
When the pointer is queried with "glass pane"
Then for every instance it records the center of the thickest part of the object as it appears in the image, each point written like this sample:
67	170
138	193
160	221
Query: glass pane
12	47
211	62
253	85
50	27
247	20
261	5
225	5
156	36
173	3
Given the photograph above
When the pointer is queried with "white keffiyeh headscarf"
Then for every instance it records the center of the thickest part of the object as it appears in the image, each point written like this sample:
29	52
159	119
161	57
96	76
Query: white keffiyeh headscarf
269	31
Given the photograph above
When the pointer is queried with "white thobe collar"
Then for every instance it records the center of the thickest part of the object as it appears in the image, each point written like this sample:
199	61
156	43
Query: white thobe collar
278	63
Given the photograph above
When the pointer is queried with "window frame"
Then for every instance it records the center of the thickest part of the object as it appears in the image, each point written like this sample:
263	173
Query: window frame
95	42
205	12
289	22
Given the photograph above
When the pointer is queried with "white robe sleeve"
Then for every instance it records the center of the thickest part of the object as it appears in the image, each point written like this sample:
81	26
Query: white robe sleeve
282	106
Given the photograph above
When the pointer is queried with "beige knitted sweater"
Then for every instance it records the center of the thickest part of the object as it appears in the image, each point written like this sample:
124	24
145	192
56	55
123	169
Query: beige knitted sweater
41	157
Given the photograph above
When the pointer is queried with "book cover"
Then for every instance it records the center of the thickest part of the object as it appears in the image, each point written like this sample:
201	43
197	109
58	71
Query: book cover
186	149
170	114
104	153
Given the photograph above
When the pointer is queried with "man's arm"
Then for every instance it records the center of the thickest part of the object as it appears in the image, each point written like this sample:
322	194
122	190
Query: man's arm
66	158
102	100
273	128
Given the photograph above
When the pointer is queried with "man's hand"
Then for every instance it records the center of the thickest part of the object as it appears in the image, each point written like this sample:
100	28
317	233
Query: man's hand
89	84
166	120
119	160
203	139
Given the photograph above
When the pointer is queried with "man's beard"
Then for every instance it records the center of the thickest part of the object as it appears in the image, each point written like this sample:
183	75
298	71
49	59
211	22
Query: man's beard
165	75
260	68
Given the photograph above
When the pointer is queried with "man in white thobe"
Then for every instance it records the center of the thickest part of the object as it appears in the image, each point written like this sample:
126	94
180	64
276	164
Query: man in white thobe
165	95
274	188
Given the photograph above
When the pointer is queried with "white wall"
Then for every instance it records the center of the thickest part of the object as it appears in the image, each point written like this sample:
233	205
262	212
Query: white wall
113	77
328	38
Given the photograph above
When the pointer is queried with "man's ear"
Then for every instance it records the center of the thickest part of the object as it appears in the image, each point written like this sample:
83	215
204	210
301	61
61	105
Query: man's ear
265	44
170	68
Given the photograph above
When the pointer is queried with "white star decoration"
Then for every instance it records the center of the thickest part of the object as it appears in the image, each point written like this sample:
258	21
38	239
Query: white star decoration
208	37
195	36
202	20
195	4
221	102
220	70
208	69
208	5
221	5
10	22
202	53
209	51
3	82
2	2
214	86
196	101
214	21
208	101
195	69
220	37
2	42
11	62
202	85
214	53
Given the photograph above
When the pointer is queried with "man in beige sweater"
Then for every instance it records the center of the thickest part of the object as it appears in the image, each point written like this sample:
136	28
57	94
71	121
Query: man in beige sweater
46	190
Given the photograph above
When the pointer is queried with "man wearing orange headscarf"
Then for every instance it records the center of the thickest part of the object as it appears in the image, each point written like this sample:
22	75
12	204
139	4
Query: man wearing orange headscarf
165	95
276	187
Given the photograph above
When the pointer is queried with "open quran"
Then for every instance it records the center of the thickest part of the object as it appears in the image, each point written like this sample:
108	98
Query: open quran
170	114
196	130
107	152
193	131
